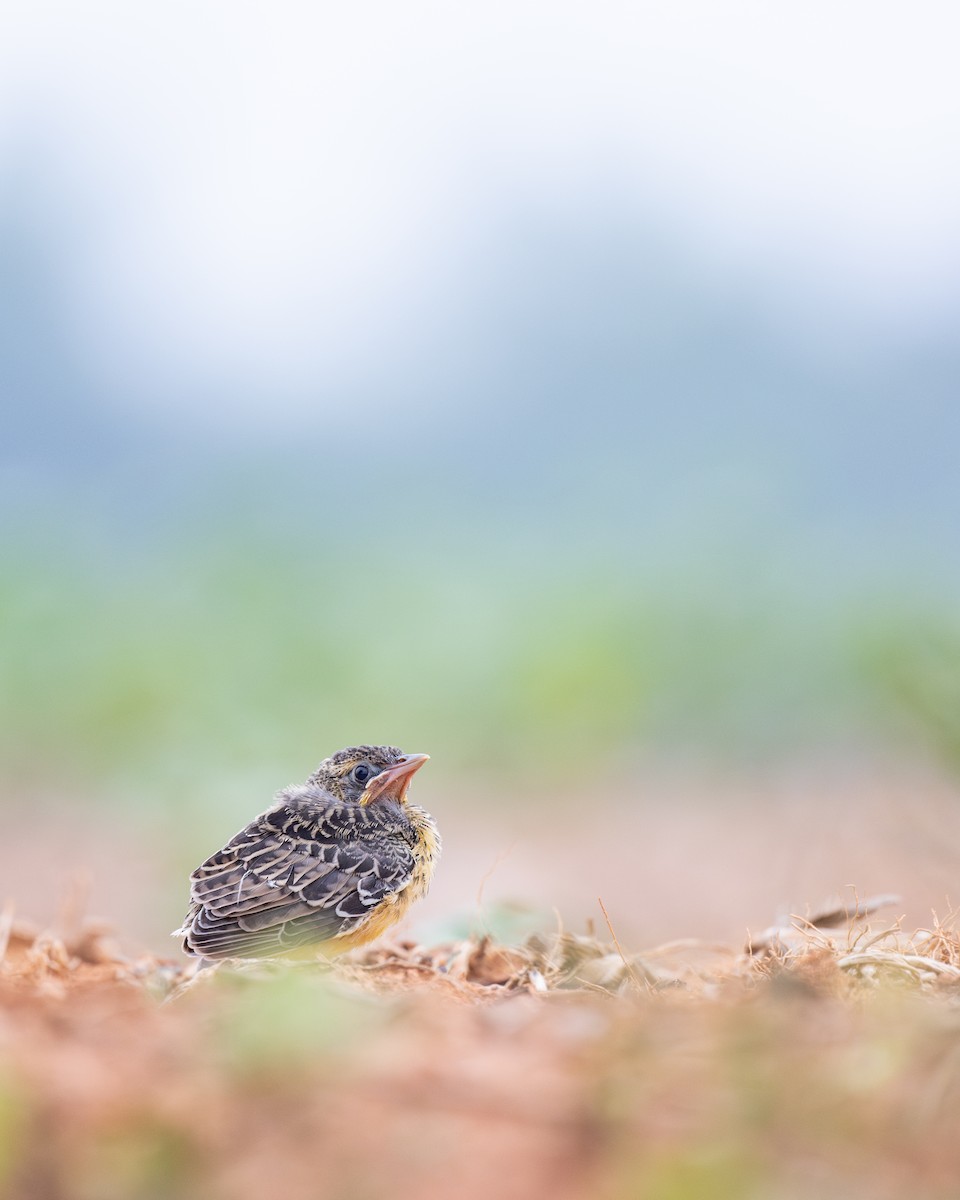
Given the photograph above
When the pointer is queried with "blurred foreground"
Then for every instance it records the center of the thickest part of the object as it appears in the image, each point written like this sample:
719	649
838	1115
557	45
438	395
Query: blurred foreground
823	1063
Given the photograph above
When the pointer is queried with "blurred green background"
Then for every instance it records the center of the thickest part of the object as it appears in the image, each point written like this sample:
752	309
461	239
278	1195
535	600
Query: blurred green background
549	390
250	641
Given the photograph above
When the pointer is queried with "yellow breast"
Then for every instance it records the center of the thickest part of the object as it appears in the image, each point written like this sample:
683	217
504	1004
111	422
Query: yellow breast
394	907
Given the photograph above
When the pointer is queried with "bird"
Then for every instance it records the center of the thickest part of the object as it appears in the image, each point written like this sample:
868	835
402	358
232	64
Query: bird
331	865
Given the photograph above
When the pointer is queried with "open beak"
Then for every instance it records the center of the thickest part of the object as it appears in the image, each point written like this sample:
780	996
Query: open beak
394	781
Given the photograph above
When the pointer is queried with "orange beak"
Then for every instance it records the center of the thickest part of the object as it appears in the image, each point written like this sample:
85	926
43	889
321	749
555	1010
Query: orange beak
394	781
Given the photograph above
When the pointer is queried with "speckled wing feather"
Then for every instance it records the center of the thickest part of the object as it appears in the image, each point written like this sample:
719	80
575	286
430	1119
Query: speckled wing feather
308	870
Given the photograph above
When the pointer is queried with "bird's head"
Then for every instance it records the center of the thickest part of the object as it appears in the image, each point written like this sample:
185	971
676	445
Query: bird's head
364	774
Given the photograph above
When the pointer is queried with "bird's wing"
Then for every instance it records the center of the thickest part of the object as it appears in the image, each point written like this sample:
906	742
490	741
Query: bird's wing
284	882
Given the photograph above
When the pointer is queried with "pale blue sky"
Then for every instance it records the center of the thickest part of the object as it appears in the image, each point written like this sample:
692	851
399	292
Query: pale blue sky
288	204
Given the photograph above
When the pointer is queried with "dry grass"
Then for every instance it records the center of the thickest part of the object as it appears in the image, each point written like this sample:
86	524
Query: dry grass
821	1060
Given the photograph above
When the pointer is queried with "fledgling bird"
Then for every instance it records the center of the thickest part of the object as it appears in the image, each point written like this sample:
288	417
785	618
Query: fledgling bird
331	865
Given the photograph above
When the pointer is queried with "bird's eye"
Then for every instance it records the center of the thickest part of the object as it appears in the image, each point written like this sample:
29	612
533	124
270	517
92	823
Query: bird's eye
361	773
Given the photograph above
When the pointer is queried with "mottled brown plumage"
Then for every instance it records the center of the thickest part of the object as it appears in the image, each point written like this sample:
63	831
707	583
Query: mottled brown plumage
332	864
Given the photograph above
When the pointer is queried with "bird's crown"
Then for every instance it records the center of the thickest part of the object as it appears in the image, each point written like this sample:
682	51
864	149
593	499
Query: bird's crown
362	774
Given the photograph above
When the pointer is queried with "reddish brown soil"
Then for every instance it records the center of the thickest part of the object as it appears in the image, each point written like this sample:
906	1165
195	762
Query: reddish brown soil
825	1064
828	1064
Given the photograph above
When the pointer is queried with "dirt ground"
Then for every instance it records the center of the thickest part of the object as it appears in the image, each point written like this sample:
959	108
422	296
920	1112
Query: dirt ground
824	1063
659	1057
